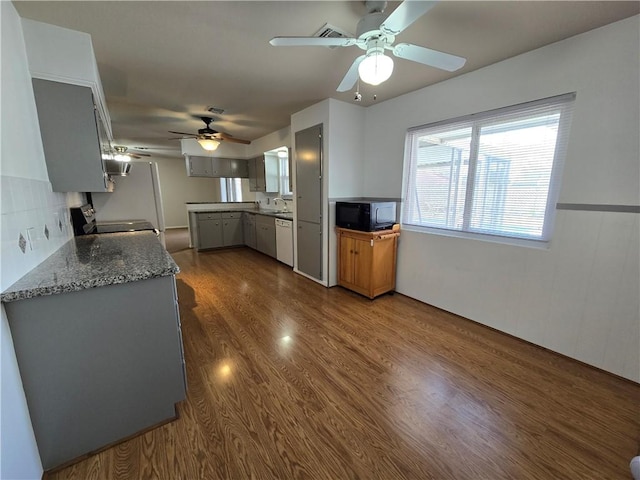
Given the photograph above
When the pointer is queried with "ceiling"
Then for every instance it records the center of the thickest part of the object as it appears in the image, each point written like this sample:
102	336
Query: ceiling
163	63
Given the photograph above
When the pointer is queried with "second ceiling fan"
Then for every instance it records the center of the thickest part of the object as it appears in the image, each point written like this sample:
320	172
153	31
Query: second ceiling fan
210	139
374	35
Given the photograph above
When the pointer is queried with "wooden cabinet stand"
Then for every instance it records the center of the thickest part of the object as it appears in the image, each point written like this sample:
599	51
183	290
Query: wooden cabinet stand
367	260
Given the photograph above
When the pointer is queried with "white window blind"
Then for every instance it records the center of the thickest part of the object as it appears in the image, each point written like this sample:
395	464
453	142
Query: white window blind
284	176
230	189
494	173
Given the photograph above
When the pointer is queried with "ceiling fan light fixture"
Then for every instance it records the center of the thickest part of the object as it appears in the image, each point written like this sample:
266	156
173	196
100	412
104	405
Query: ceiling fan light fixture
209	144
375	68
121	157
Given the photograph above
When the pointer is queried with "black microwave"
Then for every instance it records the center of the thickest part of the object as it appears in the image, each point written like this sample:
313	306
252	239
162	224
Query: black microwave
366	216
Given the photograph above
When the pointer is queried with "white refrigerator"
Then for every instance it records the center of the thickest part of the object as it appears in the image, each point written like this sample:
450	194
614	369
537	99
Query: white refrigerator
135	197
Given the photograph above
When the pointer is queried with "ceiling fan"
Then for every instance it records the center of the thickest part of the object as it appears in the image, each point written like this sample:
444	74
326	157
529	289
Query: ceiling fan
374	35
123	155
210	139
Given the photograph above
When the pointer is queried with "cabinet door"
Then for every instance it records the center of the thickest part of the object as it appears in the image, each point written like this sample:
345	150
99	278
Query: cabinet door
347	264
251	166
69	130
266	235
209	233
199	166
362	258
310	249
238	168
290	160
270	240
309	174
250	232
261	182
232	232
219	167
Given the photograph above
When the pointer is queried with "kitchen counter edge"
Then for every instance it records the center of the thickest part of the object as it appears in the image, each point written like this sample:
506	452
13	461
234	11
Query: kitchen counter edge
92	261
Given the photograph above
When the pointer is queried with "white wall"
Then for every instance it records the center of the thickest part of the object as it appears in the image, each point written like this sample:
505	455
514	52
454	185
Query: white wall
27	204
344	165
177	188
279	138
579	297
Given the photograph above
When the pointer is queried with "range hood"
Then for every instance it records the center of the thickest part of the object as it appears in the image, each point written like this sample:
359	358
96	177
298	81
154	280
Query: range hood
116	167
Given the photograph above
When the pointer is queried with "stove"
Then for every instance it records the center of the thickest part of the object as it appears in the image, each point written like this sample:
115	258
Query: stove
84	222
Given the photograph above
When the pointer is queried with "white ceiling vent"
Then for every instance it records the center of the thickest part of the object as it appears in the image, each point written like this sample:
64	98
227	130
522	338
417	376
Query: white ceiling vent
329	31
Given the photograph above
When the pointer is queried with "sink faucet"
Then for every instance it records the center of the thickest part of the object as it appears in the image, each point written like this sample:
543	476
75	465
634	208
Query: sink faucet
282	200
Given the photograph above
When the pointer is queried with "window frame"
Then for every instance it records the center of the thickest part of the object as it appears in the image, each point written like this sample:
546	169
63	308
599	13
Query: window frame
564	103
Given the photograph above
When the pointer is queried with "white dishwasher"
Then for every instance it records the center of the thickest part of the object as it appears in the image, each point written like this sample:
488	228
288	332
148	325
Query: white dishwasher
284	241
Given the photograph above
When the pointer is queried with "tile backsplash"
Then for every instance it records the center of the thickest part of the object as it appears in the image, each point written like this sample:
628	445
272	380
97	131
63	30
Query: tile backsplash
266	201
34	224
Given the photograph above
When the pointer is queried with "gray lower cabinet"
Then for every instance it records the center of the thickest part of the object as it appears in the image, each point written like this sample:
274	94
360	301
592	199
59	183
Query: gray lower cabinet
266	235
209	230
249	227
98	365
232	229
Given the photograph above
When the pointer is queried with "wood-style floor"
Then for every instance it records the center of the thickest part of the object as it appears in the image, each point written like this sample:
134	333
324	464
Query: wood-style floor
289	380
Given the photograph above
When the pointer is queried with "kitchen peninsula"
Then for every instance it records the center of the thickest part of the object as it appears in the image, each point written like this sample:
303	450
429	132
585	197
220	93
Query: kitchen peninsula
96	331
252	227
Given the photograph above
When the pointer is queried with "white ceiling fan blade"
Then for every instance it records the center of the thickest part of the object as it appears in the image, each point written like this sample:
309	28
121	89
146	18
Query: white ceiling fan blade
350	78
311	42
433	58
403	16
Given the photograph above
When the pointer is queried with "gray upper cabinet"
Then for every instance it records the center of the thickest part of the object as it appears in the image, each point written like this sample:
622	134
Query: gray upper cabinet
237	168
198	166
257	181
263	174
73	137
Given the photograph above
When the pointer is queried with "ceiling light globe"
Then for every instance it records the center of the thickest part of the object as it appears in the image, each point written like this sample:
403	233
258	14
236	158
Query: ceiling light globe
208	144
375	68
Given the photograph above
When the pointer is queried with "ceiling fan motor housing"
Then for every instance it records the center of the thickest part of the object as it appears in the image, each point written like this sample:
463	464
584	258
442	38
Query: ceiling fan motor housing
368	30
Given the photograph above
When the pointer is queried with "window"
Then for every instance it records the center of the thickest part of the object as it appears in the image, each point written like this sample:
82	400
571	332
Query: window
284	176
494	173
230	190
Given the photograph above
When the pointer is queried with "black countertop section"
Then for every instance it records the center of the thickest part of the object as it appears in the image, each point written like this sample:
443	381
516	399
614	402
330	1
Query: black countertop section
95	261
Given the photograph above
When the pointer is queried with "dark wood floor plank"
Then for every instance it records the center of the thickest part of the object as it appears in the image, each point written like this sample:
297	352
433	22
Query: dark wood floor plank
290	380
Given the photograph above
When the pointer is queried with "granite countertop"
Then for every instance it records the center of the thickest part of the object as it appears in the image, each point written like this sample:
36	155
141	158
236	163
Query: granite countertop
284	215
268	213
95	261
